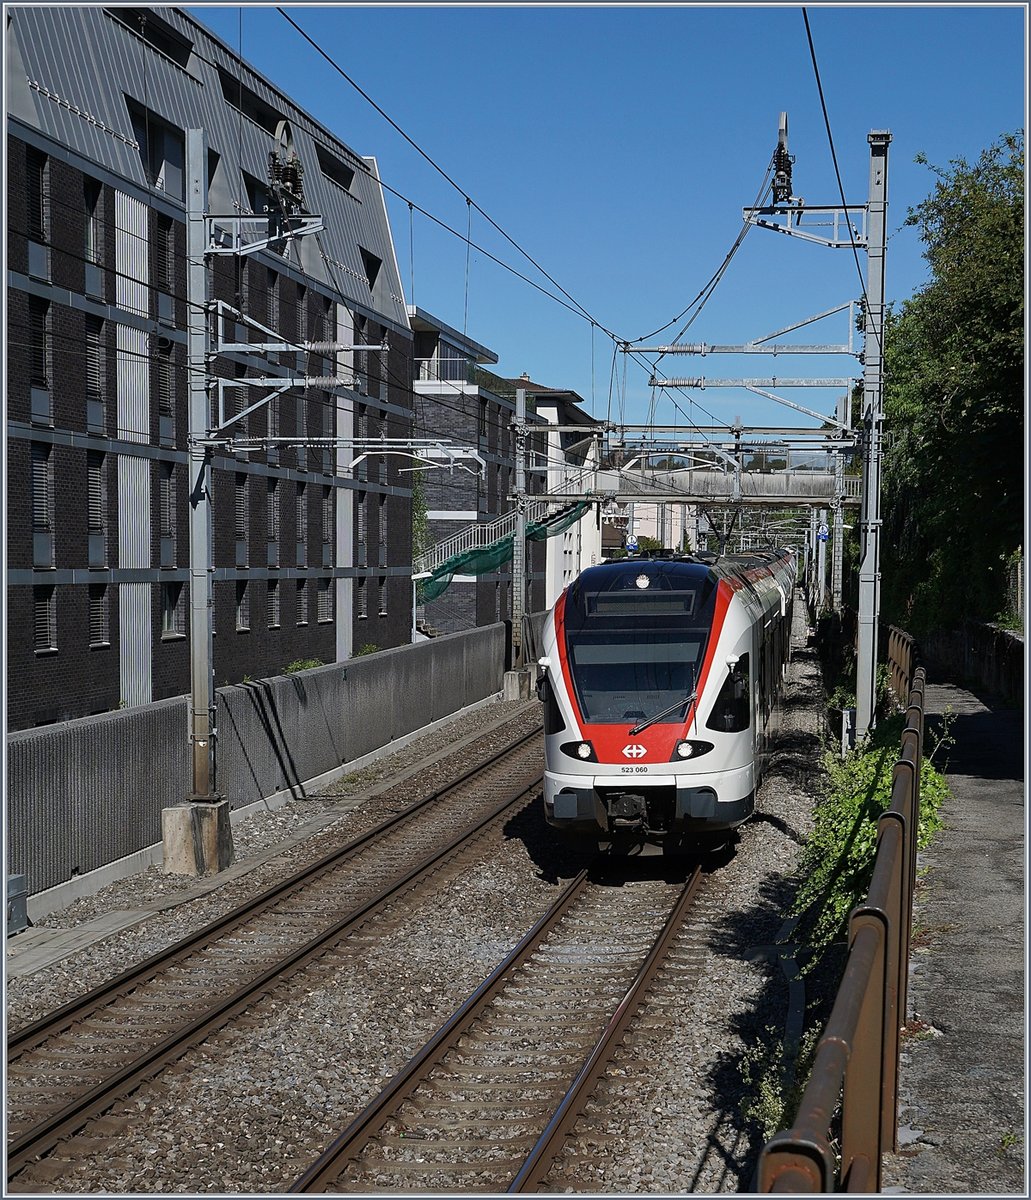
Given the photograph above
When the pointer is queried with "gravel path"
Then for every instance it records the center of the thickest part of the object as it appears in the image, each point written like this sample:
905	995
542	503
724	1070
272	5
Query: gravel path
266	1098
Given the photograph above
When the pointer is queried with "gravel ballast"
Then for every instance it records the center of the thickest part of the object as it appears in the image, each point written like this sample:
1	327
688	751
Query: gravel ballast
266	1096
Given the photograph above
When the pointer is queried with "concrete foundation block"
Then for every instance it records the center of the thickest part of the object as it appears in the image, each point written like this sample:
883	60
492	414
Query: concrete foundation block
516	685
197	838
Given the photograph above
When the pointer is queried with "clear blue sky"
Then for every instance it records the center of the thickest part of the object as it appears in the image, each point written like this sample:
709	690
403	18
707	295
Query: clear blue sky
618	146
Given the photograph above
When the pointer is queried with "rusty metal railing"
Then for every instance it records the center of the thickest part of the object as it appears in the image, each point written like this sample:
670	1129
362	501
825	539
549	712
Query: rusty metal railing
903	660
856	1069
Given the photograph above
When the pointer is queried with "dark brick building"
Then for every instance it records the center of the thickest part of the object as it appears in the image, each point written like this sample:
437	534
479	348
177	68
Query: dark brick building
312	557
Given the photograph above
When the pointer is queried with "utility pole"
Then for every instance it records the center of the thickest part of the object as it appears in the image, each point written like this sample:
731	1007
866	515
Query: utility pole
791	215
519	545
196	836
821	563
837	542
873	427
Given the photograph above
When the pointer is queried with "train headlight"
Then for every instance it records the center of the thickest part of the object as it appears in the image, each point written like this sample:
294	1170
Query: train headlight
584	751
693	749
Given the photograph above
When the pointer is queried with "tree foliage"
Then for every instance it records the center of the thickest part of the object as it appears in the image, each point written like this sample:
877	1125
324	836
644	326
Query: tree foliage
954	399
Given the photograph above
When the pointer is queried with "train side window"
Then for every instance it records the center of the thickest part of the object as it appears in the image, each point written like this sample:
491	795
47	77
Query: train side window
732	711
553	722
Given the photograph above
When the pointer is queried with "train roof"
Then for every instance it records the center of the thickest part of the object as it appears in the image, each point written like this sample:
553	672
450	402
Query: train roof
689	568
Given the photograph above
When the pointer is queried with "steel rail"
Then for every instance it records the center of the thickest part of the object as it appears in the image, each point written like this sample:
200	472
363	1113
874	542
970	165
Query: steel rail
42	1138
37	1032
537	1166
349	1146
350	1143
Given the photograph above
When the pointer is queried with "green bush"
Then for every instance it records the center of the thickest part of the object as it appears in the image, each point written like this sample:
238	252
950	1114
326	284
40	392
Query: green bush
837	862
302	664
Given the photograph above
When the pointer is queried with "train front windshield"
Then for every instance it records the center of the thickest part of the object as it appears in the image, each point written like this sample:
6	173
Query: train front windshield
635	648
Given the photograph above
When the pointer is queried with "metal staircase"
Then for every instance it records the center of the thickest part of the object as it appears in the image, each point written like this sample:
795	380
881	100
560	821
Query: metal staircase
473	537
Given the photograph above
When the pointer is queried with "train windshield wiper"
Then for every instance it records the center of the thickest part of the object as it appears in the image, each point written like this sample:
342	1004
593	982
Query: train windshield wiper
664	713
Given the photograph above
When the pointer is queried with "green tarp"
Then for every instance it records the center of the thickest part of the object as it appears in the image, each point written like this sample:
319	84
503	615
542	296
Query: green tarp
482	559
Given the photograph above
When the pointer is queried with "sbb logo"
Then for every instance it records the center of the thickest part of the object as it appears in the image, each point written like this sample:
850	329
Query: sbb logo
634	751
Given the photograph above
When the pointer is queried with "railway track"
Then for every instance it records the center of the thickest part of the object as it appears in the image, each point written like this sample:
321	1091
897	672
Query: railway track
488	1103
73	1065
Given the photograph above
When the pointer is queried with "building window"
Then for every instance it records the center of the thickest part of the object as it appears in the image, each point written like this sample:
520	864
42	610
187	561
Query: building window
328	508
372	265
383	531
259	198
164	267
147	25
333	168
39	361
361	431
272	451
162	150
302	431
329	320
99	615
173	615
361	358
273	510
324	601
243	296
166	395
243	606
361	599
273	604
272	530
42	475
302	602
272	312
96	478
166	513
164	253
302	524
44	619
96	375
328	430
40	337
37	185
239	396
361	540
93	228
240	531
383	595
452	363
302	313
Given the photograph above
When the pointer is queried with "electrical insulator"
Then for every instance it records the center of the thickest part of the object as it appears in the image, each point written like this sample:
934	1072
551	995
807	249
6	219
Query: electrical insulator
782	175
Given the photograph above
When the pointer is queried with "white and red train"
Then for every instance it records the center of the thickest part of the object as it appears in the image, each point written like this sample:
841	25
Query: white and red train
658	679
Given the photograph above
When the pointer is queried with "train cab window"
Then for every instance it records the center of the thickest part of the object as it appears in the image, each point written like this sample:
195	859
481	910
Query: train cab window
732	712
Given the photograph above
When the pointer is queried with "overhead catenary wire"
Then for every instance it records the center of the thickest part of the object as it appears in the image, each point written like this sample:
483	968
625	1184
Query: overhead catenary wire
575	306
834	160
434	164
703	295
292	346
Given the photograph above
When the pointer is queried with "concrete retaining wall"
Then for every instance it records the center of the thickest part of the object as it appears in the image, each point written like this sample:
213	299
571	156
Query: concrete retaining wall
983	655
85	793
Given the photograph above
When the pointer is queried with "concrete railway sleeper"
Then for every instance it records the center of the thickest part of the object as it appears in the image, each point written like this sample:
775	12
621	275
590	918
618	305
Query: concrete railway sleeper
488	1102
73	1065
